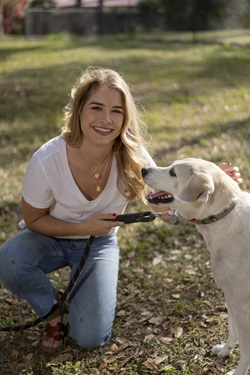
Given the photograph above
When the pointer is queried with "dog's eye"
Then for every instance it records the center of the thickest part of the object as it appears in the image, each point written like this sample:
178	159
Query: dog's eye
172	172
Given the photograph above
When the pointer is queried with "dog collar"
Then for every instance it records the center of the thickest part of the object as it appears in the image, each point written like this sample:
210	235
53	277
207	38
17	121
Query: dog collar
213	218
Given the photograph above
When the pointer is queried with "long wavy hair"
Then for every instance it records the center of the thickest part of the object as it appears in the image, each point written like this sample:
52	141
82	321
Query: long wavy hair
128	145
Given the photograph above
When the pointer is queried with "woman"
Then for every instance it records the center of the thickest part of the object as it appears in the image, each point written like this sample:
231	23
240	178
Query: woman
74	185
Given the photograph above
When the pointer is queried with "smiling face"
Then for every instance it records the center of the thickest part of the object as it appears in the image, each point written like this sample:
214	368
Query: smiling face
102	116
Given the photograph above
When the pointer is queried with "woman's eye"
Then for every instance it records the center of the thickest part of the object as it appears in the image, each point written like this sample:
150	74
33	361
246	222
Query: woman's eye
172	172
96	108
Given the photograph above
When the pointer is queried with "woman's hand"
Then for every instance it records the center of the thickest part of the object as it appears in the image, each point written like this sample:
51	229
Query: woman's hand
233	172
100	224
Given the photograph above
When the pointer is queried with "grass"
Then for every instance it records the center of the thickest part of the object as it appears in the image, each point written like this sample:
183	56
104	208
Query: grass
196	103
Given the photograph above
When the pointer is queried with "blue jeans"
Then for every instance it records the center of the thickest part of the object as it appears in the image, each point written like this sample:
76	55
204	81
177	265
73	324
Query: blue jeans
27	258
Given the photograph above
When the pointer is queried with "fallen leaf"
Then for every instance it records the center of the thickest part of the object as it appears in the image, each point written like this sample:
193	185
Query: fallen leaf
177	290
35	343
219	366
159	360
157	260
168	280
150	363
59	359
125	361
145	312
124	346
191	272
176	296
68	349
121	313
156	320
27	361
14	354
166	340
29	356
120	340
139	270
11	301
102	366
178	332
114	348
131	254
176	252
110	359
148	338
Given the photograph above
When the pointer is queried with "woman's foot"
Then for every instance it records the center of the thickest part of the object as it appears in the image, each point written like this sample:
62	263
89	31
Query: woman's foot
54	332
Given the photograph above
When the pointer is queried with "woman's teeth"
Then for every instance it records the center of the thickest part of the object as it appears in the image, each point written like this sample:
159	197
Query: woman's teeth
103	130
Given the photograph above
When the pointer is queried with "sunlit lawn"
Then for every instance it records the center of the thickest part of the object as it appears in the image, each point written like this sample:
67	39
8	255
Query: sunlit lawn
195	100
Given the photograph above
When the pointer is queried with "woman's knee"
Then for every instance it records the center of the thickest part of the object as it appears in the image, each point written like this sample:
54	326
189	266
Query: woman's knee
9	265
88	339
19	259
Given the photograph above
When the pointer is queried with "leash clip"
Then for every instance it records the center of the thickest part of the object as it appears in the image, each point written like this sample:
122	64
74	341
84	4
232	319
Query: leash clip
174	217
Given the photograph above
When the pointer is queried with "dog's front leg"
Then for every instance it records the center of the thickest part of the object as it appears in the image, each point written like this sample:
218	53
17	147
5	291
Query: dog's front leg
242	319
223	350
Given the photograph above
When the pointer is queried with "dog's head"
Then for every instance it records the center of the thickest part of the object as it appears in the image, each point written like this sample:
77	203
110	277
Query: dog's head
187	185
186	180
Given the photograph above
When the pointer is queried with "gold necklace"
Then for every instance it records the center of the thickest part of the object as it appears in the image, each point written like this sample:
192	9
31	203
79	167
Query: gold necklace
98	175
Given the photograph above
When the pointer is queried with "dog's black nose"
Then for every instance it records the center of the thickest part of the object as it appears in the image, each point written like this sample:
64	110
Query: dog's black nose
144	171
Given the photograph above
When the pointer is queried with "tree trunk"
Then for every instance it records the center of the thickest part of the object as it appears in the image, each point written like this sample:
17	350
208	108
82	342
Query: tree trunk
100	18
1	21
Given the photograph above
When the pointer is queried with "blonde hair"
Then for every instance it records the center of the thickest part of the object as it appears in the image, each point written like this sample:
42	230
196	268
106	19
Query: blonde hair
128	145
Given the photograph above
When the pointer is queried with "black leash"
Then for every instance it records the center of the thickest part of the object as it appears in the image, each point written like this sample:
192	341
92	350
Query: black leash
145	217
126	219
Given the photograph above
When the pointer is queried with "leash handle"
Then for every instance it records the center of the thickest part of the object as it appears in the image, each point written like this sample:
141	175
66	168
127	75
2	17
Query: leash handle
136	217
147	216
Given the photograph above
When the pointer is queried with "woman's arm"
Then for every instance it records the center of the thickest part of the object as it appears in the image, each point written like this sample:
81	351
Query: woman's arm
39	221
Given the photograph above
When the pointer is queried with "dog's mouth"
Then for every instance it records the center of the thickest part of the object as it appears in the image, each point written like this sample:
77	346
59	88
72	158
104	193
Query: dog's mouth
159	197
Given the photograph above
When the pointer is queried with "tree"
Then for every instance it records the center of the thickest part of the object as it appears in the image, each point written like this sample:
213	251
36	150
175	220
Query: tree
200	6
6	7
41	3
198	11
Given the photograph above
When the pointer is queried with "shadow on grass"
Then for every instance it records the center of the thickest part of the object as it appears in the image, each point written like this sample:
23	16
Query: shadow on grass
239	130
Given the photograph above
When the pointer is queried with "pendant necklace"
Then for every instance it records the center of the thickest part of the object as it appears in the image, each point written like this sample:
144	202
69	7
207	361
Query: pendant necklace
98	175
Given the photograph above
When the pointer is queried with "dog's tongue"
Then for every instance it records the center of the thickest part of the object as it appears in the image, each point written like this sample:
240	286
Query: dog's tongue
159	197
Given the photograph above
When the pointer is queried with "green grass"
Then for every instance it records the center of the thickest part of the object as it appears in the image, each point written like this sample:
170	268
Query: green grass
196	103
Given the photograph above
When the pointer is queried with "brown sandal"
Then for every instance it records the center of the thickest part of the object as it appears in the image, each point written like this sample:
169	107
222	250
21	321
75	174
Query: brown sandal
57	332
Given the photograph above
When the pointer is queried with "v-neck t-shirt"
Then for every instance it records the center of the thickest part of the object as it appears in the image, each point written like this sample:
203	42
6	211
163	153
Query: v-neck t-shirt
49	183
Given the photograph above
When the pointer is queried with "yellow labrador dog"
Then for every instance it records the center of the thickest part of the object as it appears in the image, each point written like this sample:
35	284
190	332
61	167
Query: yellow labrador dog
206	195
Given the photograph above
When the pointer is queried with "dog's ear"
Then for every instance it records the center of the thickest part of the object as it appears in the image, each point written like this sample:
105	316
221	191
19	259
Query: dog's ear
198	189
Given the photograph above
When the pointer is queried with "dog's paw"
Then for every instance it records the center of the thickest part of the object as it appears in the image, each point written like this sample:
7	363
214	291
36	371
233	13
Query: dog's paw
230	373
217	348
221	350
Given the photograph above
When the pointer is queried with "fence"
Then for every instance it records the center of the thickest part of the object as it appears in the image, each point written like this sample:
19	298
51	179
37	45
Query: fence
84	21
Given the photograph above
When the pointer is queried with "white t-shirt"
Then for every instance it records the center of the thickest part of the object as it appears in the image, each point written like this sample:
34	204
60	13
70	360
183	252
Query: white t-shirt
49	183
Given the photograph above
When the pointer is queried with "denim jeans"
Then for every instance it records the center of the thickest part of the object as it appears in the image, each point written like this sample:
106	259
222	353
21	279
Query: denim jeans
26	260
